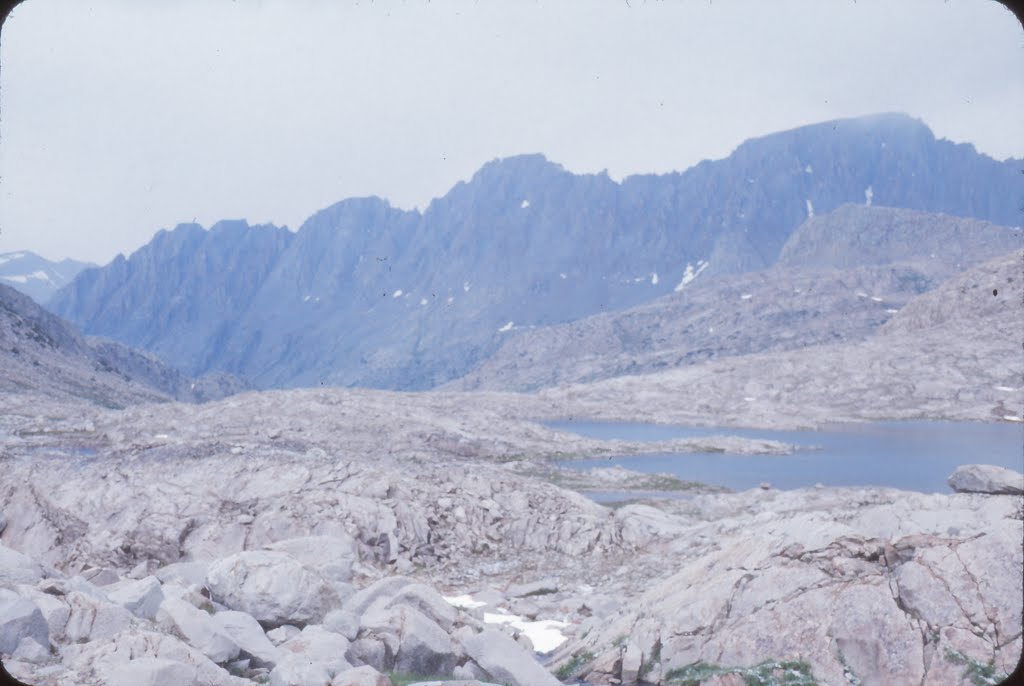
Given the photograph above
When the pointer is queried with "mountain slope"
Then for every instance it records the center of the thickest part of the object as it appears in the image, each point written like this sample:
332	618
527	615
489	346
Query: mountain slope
36	276
952	353
838	279
366	294
42	354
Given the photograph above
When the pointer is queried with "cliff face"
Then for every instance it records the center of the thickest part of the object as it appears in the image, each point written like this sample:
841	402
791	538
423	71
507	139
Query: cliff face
365	294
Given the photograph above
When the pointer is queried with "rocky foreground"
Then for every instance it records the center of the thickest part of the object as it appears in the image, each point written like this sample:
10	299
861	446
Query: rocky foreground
351	537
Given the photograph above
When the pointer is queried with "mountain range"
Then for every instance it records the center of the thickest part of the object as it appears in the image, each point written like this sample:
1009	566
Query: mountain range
37	276
370	295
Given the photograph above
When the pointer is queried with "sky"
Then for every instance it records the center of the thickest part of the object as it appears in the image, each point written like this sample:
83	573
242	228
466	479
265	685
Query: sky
119	118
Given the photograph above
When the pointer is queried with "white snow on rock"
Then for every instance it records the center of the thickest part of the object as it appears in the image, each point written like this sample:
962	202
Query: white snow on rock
561	275
423	301
1012	418
464	600
450	300
306	299
1008	389
808	169
876	298
690	274
545	634
861	294
892	311
810	208
507	327
397	294
524	204
654	279
746	296
465	286
868	194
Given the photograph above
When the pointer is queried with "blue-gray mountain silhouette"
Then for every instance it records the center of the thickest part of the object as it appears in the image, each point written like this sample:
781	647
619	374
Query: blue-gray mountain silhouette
367	294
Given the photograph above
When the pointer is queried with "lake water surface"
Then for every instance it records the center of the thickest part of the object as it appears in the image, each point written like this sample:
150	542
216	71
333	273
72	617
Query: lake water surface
916	455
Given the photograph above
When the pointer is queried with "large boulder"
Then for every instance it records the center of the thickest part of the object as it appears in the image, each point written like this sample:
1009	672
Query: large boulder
20	618
16	568
315	656
361	676
142	598
101	662
423	646
986	478
505	661
152	671
245	631
332	556
93	618
198	629
272	586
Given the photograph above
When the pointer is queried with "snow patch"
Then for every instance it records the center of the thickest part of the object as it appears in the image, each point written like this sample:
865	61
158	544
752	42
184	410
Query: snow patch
545	634
306	299
1008	389
810	209
868	194
861	294
808	169
465	286
524	204
23	278
464	600
450	300
561	275
423	301
746	296
507	327
654	279
1007	417
891	311
749	399
397	294
690	274
876	298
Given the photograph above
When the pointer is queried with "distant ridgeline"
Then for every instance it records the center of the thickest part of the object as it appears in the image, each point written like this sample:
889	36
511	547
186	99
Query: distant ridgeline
366	294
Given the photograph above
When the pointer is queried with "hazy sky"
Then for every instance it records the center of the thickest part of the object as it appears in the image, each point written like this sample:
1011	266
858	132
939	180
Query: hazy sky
118	118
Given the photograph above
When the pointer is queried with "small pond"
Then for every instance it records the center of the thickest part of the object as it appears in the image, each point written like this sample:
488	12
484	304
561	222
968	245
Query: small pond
912	455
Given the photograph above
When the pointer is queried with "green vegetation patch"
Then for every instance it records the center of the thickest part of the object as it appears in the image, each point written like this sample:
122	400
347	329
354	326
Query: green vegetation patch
979	673
572	667
770	673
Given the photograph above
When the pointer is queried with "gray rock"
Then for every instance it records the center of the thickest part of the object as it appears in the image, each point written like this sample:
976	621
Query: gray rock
986	478
272	586
20	618
186	573
331	556
198	628
505	661
16	568
382	589
92	618
360	676
283	633
30	650
315	656
152	671
142	598
248	635
342	622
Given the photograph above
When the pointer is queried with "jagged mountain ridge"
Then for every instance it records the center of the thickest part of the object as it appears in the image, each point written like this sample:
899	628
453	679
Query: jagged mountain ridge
35	276
42	354
366	294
